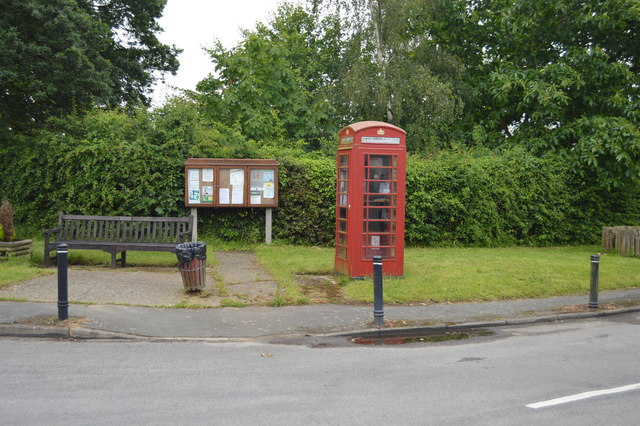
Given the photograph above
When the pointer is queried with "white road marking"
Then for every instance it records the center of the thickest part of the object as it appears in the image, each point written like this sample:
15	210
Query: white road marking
584	395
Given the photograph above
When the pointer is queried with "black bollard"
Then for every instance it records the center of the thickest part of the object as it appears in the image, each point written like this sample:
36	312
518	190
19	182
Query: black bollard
63	293
595	269
378	303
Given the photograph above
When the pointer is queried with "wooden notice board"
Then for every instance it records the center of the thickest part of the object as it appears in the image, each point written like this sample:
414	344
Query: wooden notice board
225	182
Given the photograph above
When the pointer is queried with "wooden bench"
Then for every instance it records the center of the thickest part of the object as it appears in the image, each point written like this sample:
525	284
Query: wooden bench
117	234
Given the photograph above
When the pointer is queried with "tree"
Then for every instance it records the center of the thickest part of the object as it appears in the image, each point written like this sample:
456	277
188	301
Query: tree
274	84
63	56
554	75
391	72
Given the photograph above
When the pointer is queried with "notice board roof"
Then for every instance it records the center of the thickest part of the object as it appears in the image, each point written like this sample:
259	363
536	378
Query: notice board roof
229	162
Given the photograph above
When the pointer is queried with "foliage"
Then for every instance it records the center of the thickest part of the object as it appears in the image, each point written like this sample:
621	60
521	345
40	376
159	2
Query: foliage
480	198
307	201
391	72
118	163
131	163
107	162
483	199
272	86
6	221
522	117
553	75
63	56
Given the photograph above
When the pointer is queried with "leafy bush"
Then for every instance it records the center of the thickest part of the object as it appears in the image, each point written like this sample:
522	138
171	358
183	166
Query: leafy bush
307	201
485	199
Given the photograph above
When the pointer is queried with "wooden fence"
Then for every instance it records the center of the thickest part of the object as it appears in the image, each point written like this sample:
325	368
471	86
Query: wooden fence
625	240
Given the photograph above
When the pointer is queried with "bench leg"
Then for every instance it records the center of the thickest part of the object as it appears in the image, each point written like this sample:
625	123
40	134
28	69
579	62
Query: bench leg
113	260
46	257
123	258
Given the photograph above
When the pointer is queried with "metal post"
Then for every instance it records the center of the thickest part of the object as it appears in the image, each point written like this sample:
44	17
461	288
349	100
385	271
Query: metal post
595	269
378	303
63	293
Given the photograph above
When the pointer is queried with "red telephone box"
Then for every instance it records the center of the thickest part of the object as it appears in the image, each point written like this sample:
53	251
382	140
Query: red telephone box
370	198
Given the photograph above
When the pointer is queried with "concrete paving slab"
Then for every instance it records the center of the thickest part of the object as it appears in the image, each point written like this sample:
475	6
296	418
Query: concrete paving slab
14	312
227	322
240	267
104	286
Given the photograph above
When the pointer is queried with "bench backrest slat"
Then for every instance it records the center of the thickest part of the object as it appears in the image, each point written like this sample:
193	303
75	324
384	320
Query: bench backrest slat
123	228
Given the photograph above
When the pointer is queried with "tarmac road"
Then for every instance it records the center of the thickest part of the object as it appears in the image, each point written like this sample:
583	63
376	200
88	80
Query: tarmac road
486	381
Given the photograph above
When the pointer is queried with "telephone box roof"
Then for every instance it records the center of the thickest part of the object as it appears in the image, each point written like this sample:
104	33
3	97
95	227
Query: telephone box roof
362	125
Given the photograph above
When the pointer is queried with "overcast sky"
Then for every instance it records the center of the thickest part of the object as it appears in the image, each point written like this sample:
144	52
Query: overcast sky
192	24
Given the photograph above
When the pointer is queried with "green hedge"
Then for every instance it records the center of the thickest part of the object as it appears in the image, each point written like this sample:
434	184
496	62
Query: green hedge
132	164
487	199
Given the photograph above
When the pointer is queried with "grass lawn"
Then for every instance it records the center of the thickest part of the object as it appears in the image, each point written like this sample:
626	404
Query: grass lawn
17	269
462	274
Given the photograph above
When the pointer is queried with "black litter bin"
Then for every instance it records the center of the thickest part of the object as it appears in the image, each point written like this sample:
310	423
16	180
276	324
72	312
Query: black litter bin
192	263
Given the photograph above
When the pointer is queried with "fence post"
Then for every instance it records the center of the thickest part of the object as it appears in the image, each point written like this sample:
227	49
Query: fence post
63	293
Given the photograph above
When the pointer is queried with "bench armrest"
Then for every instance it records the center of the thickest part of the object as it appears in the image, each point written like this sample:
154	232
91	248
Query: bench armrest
185	237
48	232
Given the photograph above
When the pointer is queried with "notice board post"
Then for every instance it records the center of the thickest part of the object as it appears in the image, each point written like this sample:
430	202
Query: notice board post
230	182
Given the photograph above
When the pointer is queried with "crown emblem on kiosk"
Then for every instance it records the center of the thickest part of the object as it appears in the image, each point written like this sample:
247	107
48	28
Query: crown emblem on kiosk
381	132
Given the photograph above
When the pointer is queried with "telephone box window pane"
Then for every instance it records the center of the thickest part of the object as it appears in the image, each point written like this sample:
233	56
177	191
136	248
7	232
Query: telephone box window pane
343	186
385	252
378	226
342	226
342	252
380	213
378	240
342	213
379	200
379	174
344	173
385	240
344	160
344	200
380	187
342	239
379	161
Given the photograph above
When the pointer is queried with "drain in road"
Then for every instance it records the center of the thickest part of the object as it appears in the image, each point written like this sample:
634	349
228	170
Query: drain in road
430	338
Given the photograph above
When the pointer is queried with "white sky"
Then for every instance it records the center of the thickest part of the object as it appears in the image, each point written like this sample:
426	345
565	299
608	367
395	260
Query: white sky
192	24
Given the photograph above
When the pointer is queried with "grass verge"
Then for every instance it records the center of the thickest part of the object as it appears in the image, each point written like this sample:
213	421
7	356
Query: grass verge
462	274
